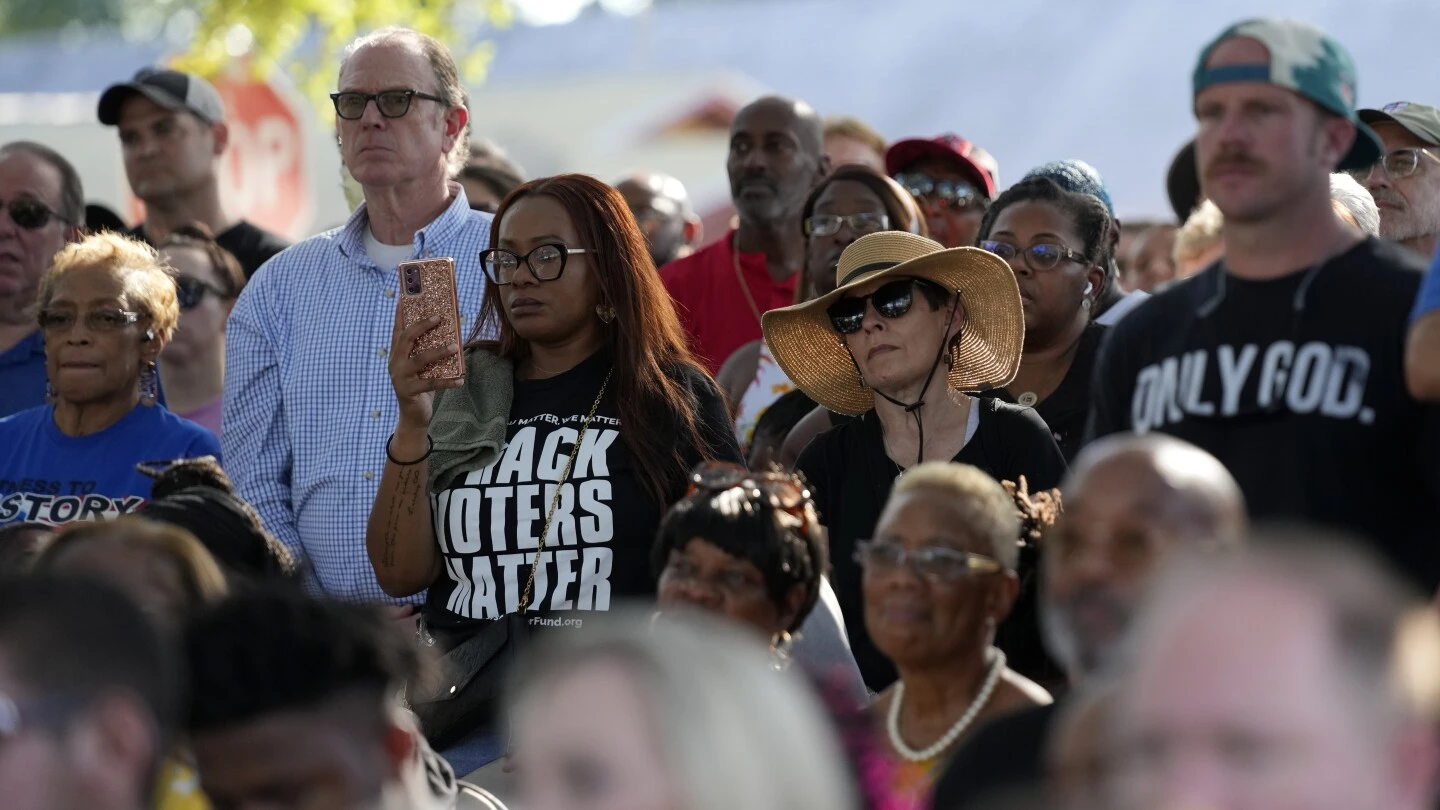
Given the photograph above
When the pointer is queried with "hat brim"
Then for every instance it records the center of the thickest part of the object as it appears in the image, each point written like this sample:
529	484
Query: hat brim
1380	116
1182	183
987	355
1367	149
906	153
115	96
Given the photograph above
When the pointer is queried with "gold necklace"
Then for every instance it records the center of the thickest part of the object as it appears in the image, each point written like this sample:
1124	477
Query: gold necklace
740	278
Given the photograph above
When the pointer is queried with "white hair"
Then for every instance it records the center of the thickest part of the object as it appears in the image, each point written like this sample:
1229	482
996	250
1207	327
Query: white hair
734	732
1356	199
1202	231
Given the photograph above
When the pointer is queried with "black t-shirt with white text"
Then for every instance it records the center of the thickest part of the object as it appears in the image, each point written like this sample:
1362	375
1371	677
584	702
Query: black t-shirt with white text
488	522
1297	385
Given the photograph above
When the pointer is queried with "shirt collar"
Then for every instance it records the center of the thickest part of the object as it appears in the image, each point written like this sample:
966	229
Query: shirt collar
439	231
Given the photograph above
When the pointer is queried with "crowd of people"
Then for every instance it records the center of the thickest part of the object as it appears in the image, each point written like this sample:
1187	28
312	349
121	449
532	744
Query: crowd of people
912	490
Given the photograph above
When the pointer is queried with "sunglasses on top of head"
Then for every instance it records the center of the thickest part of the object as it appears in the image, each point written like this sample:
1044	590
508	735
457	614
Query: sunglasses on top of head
891	301
32	215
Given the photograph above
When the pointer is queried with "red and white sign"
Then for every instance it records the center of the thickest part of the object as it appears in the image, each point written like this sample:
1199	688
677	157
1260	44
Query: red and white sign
262	173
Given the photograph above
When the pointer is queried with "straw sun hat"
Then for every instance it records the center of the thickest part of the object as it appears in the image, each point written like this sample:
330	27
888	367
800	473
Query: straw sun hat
986	356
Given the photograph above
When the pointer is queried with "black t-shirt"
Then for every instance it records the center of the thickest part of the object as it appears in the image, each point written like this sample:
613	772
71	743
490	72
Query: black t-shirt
1297	386
488	522
1067	409
851	476
1002	758
251	246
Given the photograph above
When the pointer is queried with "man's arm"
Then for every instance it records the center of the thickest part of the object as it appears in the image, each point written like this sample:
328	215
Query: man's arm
256	443
1422	350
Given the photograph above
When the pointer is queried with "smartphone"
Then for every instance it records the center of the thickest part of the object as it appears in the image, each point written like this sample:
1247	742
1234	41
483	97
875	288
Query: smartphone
427	289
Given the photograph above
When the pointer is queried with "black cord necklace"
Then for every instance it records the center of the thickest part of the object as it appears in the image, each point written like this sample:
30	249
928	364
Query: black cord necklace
914	408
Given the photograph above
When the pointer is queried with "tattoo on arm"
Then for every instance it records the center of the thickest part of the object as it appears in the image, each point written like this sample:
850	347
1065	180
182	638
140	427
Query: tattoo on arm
408	491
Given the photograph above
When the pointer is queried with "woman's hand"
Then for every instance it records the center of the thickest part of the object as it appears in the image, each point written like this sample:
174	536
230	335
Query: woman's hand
416	394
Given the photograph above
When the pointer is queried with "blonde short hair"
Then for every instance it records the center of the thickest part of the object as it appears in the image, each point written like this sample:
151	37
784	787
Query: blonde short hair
988	507
847	126
1200	233
734	732
149	282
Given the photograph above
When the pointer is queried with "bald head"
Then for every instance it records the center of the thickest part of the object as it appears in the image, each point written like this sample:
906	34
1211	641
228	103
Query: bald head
776	156
662	208
1129	502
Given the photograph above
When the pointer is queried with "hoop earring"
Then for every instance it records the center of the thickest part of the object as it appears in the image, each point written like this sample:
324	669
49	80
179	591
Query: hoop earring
149	385
606	312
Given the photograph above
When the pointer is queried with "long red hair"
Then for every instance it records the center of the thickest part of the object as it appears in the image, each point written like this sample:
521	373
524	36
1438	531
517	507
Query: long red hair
644	340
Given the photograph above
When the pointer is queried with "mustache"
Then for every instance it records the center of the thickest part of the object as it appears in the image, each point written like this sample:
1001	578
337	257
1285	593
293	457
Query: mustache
1390	196
1237	160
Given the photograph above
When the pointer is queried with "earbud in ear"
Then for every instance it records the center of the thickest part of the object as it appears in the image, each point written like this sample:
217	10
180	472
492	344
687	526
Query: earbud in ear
149	336
1089	287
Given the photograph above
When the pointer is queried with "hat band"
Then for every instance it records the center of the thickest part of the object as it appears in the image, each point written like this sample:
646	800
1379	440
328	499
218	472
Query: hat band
865	269
1232	73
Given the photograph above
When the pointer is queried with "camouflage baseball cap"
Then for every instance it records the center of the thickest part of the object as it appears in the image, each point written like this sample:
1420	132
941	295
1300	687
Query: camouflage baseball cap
1420	120
1304	60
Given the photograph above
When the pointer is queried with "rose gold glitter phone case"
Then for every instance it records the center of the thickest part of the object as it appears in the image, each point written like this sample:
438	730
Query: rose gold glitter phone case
427	288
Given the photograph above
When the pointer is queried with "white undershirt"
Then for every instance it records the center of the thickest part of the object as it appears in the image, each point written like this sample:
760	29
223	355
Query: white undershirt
972	421
386	257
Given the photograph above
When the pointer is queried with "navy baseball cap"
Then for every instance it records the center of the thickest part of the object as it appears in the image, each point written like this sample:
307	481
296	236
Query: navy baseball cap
171	89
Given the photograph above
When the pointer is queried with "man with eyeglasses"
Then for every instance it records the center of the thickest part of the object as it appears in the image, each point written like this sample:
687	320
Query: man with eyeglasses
172	136
1284	359
89	697
662	207
309	405
42	208
1406	181
953	179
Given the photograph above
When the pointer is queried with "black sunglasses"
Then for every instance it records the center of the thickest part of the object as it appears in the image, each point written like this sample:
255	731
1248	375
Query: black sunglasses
892	301
31	215
351	105
190	291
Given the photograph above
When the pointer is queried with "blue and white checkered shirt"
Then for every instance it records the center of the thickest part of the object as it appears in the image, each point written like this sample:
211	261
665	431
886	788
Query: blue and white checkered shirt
308	398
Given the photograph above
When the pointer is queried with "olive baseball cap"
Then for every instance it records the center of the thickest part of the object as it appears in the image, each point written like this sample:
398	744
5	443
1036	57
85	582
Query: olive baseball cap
1420	120
1304	60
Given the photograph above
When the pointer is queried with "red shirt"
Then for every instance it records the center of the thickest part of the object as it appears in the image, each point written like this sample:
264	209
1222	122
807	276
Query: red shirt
711	304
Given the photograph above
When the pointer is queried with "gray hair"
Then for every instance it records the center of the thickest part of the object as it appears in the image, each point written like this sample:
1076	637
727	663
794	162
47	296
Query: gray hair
447	79
1202	230
988	507
735	732
1356	199
72	194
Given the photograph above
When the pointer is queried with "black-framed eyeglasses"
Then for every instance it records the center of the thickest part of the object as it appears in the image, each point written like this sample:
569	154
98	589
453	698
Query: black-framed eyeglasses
936	563
1038	258
190	291
891	300
1398	164
859	224
56	321
546	262
32	215
956	194
351	104
780	490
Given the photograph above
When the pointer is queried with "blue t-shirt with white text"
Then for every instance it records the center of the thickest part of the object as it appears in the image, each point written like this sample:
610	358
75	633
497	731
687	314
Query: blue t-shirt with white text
48	477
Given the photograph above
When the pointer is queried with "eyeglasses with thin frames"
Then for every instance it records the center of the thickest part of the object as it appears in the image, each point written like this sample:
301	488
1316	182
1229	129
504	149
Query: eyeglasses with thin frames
859	224
1399	164
1039	258
546	262
350	104
938	564
59	321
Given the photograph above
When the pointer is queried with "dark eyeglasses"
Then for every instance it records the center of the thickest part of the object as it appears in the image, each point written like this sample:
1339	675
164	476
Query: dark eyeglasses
546	262
190	292
1398	164
956	194
351	105
1036	257
56	321
31	215
892	301
780	490
936	563
859	224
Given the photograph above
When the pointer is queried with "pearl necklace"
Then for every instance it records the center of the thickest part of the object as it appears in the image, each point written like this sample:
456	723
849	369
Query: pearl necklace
892	721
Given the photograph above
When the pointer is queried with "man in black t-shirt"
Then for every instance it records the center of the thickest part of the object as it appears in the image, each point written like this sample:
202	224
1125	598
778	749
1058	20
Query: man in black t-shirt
1284	360
172	134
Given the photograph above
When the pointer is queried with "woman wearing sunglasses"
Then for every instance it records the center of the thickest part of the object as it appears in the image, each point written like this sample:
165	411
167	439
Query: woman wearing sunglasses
571	433
909	333
106	309
1057	243
208	279
939	576
848	203
749	546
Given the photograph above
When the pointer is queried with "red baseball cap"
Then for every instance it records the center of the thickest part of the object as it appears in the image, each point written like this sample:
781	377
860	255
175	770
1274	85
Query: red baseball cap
973	160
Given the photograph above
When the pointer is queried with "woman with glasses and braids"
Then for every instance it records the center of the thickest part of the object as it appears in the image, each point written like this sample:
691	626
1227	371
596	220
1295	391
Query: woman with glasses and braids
572	431
848	203
939	577
1057	243
907	341
208	279
106	309
749	546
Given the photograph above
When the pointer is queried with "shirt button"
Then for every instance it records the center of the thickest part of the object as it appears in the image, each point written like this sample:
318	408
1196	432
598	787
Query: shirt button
389	293
374	414
381	352
369	475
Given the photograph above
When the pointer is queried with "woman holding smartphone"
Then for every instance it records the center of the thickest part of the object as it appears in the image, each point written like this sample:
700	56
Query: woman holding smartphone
566	441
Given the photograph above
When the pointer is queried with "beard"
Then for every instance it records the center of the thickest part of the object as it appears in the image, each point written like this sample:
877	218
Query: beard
1409	220
1083	648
